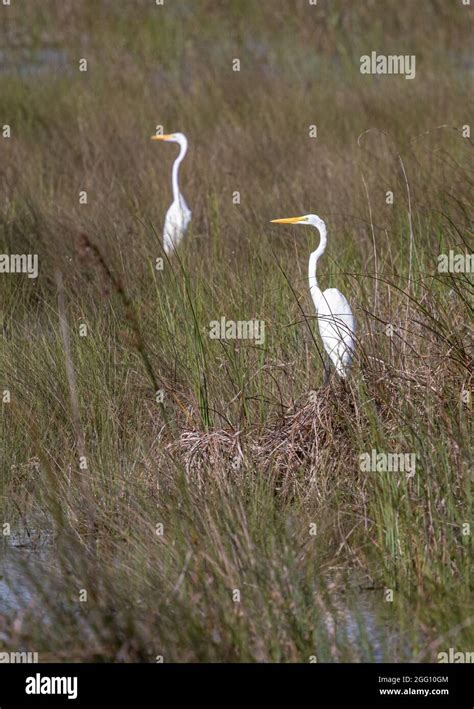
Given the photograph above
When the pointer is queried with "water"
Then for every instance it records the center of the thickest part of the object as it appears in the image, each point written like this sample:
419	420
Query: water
21	560
34	62
350	621
358	624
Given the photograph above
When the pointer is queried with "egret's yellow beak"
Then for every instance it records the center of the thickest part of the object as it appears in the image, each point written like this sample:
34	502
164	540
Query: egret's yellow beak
161	137
289	220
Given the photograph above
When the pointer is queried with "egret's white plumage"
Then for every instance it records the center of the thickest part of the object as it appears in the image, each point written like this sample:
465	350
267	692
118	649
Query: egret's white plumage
335	318
178	215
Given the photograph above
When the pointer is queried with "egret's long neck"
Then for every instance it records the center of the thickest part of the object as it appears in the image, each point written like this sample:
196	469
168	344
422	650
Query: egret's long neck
313	262
174	174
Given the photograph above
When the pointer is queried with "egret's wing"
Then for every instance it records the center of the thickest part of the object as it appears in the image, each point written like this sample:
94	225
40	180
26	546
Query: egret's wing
337	328
177	220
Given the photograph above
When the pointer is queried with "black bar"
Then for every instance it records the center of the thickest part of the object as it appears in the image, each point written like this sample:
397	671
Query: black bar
148	685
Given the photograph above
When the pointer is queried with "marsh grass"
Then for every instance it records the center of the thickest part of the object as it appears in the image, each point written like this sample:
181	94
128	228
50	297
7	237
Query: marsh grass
248	451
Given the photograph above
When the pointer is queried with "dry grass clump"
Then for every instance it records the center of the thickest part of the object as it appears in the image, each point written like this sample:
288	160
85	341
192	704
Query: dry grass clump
202	452
306	437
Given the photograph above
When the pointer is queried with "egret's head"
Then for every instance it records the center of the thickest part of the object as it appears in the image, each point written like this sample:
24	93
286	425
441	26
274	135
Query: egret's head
172	138
308	219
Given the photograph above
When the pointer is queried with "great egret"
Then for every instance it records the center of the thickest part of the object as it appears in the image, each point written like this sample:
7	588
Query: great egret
178	215
335	318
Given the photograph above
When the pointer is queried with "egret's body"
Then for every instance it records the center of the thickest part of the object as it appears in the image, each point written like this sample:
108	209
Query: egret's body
178	215
177	221
335	318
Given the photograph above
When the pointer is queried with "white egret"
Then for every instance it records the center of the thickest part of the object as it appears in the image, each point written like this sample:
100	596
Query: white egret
178	215
335	318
